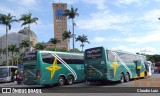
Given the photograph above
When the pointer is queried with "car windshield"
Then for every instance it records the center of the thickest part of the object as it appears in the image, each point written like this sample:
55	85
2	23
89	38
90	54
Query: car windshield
3	72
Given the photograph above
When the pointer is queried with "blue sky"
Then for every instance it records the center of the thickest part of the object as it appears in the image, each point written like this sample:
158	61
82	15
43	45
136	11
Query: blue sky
129	25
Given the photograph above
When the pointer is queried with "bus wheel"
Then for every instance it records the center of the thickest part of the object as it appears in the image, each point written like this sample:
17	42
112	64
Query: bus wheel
127	77
121	78
70	80
61	81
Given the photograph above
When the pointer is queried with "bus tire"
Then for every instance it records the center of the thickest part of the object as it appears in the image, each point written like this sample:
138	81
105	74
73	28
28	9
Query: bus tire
61	81
121	78
70	80
127	79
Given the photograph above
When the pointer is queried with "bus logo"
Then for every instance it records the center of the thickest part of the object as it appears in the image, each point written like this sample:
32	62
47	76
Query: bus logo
115	65
53	68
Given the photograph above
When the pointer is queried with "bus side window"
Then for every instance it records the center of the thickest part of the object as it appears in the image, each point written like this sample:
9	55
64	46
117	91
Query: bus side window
110	56
77	59
47	58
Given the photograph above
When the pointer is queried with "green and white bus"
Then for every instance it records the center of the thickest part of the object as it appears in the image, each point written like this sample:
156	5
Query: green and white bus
102	64
49	68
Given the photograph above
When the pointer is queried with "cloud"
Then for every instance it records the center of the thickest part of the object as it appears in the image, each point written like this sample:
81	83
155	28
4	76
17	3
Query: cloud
65	1
100	4
102	39
131	2
25	2
103	20
152	15
128	2
99	39
146	50
149	38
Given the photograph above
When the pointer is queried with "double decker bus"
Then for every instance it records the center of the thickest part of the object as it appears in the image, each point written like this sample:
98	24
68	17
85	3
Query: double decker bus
102	64
7	73
49	68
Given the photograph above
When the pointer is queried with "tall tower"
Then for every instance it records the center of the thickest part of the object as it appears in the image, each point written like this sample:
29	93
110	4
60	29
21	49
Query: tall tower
60	24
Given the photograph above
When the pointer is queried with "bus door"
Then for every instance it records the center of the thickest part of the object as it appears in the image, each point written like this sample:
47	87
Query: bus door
49	68
138	67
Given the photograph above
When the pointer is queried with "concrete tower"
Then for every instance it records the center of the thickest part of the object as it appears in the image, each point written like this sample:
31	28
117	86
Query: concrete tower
60	23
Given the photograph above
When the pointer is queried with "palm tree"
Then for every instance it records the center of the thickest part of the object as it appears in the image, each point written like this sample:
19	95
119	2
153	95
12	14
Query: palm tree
40	46
71	15
24	45
12	48
82	39
17	50
67	35
27	20
7	20
55	41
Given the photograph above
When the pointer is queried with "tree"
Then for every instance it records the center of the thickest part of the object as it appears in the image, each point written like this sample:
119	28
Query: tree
27	20
12	49
82	39
7	20
40	46
24	44
75	50
17	51
67	35
71	15
55	41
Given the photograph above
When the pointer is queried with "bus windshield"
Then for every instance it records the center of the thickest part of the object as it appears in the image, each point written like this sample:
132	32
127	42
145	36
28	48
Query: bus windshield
93	53
3	72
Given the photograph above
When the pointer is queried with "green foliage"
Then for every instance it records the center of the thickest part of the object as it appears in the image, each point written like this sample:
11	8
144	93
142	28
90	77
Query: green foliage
40	46
64	49
153	58
66	35
25	44
83	39
55	41
72	13
7	20
50	49
74	50
27	19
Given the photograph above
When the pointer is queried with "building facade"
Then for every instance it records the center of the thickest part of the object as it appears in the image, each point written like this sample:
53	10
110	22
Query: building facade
27	32
13	38
16	38
60	24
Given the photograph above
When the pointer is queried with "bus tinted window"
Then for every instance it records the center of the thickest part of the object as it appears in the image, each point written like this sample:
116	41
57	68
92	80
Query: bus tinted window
72	59
68	58
30	56
110	56
47	58
93	53
124	57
